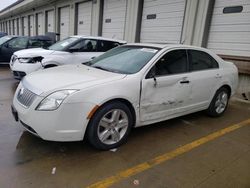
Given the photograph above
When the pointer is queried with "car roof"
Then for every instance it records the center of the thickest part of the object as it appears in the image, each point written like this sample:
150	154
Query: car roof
99	38
167	46
40	37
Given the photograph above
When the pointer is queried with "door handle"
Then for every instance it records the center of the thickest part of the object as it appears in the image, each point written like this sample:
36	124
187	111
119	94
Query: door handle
184	82
218	76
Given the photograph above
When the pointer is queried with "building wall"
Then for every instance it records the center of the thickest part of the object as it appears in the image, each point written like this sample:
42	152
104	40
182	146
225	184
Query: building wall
195	22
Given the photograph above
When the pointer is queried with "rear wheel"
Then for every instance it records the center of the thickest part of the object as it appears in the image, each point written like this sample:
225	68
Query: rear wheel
219	103
110	126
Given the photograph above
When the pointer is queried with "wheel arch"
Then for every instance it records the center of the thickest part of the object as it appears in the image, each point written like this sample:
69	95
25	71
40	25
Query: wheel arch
228	87
122	100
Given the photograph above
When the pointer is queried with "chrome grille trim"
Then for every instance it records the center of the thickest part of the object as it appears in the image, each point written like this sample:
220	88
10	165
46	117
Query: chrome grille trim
25	97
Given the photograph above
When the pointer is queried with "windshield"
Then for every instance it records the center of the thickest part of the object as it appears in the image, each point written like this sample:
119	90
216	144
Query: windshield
5	39
63	44
125	59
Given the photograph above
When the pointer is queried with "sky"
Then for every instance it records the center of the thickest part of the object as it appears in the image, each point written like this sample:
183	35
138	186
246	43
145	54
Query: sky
5	3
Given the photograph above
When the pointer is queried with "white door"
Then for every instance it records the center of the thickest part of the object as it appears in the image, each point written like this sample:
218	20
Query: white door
13	27
50	20
10	27
16	26
84	18
7	27
162	21
229	32
40	24
31	25
166	89
25	26
205	78
20	26
114	17
64	22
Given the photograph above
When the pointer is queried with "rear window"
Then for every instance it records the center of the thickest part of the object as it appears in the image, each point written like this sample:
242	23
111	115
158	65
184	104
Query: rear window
199	60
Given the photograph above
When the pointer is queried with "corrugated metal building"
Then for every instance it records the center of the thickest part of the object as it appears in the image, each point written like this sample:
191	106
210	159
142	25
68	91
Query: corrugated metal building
220	25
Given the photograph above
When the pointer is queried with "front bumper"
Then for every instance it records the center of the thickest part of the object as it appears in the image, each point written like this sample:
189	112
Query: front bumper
67	123
20	70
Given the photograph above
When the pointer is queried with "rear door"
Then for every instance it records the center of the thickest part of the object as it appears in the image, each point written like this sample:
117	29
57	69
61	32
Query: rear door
166	89
205	74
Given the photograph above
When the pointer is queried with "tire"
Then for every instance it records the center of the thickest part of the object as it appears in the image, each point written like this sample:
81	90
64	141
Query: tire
219	103
110	126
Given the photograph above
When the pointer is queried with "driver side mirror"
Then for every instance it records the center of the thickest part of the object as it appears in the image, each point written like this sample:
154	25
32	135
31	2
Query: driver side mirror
151	73
6	45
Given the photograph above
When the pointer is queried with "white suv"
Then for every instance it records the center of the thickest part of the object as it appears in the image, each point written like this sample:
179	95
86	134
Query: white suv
72	50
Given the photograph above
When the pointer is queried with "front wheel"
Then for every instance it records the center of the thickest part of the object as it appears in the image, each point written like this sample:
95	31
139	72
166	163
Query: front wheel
110	126
219	103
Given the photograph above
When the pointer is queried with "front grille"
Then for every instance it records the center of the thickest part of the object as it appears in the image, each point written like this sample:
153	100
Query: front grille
25	97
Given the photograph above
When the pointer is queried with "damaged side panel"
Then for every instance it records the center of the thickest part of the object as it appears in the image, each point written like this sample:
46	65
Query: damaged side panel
163	97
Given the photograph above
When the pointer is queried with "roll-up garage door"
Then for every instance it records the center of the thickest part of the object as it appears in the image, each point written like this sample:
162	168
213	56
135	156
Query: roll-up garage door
40	24
64	22
20	27
229	32
114	17
25	26
14	27
84	18
162	21
17	27
31	25
50	21
10	27
7	27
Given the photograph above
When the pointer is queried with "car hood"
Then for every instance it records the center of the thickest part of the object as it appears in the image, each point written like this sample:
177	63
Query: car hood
33	52
67	77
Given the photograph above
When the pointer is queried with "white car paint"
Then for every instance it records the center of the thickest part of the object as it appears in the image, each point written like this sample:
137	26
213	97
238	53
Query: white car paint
52	57
152	100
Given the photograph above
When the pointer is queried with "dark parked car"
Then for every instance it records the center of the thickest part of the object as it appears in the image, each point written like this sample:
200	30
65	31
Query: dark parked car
11	44
2	34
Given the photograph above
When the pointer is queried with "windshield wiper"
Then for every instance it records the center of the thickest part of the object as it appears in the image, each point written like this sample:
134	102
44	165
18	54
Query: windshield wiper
102	68
88	63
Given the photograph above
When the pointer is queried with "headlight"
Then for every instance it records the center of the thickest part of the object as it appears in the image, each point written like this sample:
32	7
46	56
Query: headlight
54	100
25	60
30	59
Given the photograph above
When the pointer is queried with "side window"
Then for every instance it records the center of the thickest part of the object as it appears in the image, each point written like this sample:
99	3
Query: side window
87	45
107	45
201	60
35	43
20	43
173	62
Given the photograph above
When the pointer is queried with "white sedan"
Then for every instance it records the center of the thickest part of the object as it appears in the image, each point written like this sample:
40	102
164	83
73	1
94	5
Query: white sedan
129	86
72	50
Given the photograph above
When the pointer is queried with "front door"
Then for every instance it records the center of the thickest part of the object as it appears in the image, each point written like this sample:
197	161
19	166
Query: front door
12	46
166	88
